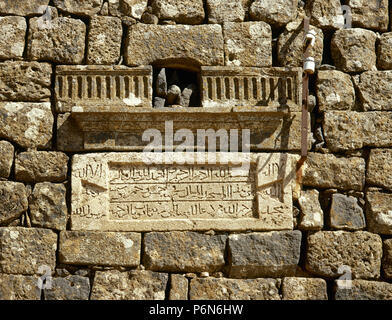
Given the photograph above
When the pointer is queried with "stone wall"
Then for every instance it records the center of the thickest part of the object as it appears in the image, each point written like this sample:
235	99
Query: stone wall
337	227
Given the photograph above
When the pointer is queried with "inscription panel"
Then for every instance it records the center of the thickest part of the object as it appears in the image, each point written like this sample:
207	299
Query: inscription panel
120	192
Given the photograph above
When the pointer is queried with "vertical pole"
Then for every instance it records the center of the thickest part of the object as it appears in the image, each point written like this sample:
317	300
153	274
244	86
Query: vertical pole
305	98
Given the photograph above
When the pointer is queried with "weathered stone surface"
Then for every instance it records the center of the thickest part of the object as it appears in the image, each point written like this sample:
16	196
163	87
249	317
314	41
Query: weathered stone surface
68	136
328	251
48	208
61	41
345	213
72	287
230	289
173	94
273	254
40	166
178	287
276	12
250	87
248	44
114	191
364	290
375	90
335	90
27	124
23	8
24	250
182	12
25	81
379	171
13	200
104	40
161	83
341	173
12	37
369	14
131	8
133	285
183	252
325	14
220	11
304	289
108	249
99	87
379	212
179	44
6	158
384	52
290	45
85	7
312	216
345	130
18	287
353	50
387	257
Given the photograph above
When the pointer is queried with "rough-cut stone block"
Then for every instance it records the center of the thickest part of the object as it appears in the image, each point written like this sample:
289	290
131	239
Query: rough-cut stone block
325	14
178	287
183	252
384	52
248	44
230	289
23	8
363	290
174	45
61	40
18	287
345	213
353	50
72	287
25	250
379	171
25	81
291	42
131	8
345	130
13	200
369	14
335	90
104	40
12	37
100	248
85	7
133	285
330	252
312	216
273	254
275	12
40	166
220	11
103	87
28	124
375	90
48	208
340	173
304	289
176	191
387	257
6	158
182	12
379	212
